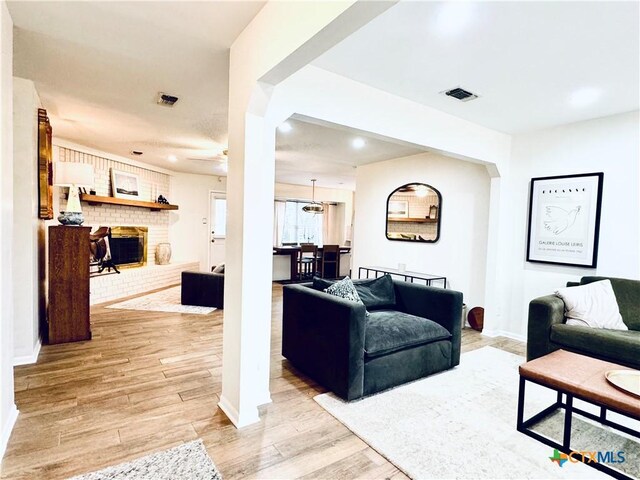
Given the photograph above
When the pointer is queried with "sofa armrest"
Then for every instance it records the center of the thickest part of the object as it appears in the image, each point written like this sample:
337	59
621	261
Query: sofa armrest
438	304
543	313
323	336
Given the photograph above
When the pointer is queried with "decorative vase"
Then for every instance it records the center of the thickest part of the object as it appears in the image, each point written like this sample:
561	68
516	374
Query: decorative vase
163	253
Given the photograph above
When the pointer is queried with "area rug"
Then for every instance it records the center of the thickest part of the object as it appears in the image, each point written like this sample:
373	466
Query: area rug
187	461
164	301
462	424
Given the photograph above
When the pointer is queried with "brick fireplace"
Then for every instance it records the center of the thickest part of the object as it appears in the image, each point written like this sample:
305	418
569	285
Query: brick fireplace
134	227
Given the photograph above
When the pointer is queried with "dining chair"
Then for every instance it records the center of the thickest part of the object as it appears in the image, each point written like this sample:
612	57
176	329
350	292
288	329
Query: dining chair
330	261
307	260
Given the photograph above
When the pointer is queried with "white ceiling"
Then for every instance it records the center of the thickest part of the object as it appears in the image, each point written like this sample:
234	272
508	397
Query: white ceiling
98	67
324	151
524	59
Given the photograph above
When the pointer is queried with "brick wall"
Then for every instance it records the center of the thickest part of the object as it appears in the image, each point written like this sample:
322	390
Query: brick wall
132	281
151	184
116	215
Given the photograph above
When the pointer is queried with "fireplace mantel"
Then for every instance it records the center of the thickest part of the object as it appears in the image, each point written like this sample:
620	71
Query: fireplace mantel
99	200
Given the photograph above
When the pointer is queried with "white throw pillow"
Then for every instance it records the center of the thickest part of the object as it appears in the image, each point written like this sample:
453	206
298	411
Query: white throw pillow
592	305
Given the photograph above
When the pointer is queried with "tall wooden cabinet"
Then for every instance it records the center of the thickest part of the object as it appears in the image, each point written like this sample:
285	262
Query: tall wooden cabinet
68	310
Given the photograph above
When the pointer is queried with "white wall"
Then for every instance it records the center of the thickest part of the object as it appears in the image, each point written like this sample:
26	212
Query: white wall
460	254
189	227
610	145
8	411
26	222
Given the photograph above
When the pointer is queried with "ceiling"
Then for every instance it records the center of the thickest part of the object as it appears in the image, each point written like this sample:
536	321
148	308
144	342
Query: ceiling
533	64
98	67
325	151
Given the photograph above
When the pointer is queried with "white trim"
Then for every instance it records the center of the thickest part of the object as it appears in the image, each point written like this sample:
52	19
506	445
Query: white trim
61	142
7	428
233	415
29	359
506	334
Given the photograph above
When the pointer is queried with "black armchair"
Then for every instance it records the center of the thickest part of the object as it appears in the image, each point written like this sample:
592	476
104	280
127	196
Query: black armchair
334	342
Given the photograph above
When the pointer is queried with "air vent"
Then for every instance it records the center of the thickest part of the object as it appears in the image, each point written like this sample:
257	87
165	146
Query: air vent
136	152
461	94
166	99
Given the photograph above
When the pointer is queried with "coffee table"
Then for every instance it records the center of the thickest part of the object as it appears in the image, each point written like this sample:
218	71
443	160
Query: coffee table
581	377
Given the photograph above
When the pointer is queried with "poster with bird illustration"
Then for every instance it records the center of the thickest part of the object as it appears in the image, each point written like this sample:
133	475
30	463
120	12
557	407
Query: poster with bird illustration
564	219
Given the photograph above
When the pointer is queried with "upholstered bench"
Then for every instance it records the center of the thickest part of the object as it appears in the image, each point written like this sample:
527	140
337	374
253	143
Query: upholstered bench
203	289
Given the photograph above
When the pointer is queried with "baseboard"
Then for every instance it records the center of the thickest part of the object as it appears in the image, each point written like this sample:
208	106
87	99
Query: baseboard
504	333
28	359
7	428
233	415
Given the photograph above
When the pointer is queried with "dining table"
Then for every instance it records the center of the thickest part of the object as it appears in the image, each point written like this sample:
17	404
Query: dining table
293	250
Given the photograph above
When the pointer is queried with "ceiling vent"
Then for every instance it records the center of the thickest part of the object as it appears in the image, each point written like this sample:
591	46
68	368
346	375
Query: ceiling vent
461	94
136	152
166	99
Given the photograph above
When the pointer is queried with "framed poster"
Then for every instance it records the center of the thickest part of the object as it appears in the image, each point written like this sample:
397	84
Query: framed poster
125	185
564	219
45	170
398	209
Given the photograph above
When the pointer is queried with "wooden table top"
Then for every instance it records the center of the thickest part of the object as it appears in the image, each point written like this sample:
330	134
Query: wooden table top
582	376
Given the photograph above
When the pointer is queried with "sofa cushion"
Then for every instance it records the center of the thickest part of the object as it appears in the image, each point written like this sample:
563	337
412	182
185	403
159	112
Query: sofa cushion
376	293
628	294
388	331
593	305
603	343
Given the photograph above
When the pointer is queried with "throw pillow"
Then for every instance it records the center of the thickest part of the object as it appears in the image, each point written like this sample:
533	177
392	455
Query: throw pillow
377	292
344	289
219	268
593	305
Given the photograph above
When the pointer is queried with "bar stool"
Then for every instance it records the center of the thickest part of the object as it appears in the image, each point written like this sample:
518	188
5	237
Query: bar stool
307	260
330	258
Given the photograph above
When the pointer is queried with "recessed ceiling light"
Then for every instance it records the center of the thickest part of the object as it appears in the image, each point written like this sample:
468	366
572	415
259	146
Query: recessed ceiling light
357	142
172	158
585	96
285	127
454	17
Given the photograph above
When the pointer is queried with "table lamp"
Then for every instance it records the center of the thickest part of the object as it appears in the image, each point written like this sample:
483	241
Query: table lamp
72	175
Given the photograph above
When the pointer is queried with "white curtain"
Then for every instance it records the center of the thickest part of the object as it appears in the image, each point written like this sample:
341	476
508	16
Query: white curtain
278	222
333	224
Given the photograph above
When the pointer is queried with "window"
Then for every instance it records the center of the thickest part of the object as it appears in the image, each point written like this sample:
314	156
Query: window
300	226
220	217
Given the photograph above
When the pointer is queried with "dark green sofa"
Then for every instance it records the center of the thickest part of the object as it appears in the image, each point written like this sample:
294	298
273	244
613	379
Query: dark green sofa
547	330
334	342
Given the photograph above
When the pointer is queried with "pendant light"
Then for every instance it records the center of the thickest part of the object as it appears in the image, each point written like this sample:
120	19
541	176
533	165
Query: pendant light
313	207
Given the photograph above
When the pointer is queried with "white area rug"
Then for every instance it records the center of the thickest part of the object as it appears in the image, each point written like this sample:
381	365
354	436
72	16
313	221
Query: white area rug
164	301
187	461
462	424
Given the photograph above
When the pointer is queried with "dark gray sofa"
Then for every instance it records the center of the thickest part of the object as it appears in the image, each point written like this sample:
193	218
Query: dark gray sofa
202	289
334	342
548	331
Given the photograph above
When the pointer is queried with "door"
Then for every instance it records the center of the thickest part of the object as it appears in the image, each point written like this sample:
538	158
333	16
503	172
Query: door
218	228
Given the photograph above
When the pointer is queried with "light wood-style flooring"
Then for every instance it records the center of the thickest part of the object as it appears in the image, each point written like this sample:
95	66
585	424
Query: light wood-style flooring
149	381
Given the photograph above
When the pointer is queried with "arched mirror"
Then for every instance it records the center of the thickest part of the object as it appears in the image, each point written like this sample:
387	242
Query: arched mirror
413	213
